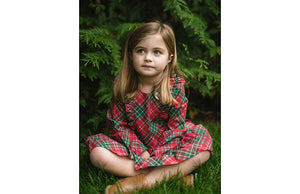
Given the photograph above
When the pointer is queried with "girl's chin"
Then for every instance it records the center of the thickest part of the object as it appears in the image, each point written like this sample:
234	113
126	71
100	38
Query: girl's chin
149	75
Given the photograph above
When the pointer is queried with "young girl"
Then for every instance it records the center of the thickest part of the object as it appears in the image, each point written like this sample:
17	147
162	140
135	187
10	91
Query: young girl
150	139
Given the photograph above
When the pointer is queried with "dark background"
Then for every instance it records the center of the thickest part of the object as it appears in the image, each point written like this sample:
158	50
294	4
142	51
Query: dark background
104	26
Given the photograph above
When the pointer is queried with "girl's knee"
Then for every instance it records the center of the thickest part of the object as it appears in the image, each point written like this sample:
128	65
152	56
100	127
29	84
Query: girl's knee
204	156
200	158
98	157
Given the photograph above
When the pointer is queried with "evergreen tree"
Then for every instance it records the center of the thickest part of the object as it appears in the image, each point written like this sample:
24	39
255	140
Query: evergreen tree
104	26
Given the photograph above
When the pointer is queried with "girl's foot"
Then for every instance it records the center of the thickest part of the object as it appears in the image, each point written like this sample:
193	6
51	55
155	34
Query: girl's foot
188	180
127	185
136	183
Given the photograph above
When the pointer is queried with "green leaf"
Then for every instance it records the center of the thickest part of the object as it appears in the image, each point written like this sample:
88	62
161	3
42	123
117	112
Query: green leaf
82	102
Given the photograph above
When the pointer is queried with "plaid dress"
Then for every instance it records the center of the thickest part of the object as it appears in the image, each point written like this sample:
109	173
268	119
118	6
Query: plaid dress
145	123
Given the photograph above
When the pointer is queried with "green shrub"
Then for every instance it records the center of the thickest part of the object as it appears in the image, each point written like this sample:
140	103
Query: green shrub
104	27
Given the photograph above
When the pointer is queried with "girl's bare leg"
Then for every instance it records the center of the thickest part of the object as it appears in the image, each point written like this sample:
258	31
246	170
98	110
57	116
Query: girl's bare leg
157	174
112	163
124	167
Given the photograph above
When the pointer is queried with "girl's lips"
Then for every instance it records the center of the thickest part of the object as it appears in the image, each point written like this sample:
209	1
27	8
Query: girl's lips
147	66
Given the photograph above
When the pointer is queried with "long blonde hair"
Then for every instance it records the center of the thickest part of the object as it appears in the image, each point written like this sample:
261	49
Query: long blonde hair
126	85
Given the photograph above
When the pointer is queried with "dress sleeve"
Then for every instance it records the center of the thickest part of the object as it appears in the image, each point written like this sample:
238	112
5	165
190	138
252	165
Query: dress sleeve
177	112
120	131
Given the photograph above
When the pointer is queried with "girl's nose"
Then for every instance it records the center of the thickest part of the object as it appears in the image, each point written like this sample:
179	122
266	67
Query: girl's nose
148	56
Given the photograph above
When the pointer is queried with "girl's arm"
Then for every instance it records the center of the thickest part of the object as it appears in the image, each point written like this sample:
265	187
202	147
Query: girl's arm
177	112
120	131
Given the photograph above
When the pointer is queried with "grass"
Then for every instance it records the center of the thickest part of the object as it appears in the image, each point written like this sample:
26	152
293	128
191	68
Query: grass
207	177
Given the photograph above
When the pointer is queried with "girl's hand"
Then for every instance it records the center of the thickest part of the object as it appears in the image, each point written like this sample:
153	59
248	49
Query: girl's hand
145	155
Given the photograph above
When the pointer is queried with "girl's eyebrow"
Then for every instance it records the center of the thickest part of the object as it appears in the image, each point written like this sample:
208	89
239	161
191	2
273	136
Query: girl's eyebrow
155	48
159	48
138	47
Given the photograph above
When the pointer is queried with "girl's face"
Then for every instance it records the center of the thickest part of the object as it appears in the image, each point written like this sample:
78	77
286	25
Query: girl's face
150	57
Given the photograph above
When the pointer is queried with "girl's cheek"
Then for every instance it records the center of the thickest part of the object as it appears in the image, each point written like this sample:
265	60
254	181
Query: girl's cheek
136	59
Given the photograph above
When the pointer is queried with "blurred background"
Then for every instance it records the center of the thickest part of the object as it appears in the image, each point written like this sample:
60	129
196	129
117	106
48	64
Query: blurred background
104	26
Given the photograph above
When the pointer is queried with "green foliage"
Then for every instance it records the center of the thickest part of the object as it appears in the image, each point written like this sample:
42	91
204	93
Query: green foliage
104	27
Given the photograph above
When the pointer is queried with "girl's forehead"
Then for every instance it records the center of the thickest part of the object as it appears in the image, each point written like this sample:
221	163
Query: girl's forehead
152	40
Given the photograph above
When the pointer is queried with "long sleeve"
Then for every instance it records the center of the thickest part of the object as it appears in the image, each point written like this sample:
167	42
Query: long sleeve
120	131
178	110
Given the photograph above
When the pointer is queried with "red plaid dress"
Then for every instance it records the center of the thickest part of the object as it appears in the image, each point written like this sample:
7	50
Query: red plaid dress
146	124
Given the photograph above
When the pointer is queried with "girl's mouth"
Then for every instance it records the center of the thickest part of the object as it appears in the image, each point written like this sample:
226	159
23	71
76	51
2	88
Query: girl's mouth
147	66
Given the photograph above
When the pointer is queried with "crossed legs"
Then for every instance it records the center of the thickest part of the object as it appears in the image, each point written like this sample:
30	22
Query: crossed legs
112	163
124	167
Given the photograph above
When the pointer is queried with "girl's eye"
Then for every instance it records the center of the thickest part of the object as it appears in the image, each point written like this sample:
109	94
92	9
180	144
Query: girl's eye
157	52
140	51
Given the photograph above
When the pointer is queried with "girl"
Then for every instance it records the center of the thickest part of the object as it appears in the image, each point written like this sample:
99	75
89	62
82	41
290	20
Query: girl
150	139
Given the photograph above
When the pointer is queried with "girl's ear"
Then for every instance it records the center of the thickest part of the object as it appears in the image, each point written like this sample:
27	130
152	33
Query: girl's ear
170	58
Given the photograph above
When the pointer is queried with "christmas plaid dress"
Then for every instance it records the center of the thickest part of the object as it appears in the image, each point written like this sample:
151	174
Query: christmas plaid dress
145	123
